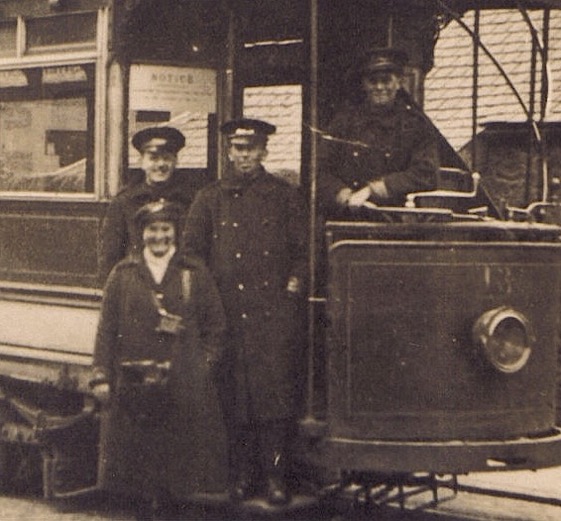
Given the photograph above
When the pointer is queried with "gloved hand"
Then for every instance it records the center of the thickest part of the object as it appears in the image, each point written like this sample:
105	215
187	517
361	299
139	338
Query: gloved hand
358	198
342	197
293	286
101	392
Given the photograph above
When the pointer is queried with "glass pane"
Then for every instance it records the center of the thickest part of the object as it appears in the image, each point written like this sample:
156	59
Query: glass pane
46	137
8	38
61	30
280	105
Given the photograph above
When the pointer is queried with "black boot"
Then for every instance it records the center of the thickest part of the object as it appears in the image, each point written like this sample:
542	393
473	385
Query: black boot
145	510
277	490
242	488
243	466
272	441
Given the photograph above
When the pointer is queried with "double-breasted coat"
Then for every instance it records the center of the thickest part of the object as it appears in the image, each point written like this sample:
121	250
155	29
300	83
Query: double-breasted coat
363	144
185	452
254	237
119	236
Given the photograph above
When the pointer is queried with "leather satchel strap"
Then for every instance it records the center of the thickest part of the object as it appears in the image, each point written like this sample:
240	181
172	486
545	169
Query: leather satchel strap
186	285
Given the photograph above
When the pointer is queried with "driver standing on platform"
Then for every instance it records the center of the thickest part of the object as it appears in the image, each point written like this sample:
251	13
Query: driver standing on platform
380	148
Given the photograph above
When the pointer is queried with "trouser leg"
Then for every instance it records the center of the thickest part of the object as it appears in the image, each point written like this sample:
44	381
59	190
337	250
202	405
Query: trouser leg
273	441
242	459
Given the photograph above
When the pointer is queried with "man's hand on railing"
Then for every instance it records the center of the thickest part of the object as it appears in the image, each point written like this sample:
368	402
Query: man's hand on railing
358	198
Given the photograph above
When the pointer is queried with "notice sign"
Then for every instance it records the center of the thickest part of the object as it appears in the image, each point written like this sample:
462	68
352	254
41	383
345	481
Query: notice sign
173	89
181	97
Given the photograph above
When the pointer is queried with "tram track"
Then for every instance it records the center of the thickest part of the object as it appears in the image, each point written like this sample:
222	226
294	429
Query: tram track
481	503
469	504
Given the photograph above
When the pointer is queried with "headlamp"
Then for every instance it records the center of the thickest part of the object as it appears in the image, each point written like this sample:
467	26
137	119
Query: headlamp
504	337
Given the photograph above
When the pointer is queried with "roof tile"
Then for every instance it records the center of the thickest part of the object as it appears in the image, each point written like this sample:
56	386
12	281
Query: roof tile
506	35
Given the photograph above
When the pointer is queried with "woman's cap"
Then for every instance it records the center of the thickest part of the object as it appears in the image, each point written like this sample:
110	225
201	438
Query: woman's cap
161	210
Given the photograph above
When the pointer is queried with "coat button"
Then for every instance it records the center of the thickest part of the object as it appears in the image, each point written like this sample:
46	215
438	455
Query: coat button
387	154
355	184
267	314
241	287
244	315
355	154
266	253
235	225
238	255
266	284
223	223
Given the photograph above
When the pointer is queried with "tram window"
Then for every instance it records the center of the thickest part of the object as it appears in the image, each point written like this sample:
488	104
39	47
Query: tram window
280	105
46	130
8	31
44	33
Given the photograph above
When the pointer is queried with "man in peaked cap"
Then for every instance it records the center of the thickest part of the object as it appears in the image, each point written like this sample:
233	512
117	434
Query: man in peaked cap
379	148
251	229
247	147
158	148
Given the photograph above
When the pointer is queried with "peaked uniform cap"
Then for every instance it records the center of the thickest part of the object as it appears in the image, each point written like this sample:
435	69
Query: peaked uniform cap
247	128
161	210
385	59
159	139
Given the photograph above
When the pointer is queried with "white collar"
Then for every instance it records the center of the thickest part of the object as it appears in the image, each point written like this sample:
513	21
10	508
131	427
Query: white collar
158	265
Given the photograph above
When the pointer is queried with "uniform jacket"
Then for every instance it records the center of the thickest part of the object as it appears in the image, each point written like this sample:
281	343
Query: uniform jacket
362	145
186	453
253	237
118	235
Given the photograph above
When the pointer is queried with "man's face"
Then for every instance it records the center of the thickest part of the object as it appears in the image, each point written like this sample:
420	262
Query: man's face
246	155
381	87
159	237
158	165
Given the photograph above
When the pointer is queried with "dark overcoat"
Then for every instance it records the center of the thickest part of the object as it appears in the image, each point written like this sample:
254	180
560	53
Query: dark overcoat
185	452
362	145
119	236
254	237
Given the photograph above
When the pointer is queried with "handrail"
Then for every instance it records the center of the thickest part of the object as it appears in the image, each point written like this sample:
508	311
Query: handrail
456	194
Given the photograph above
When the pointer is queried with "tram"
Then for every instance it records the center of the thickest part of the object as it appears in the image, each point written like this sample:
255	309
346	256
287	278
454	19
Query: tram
440	350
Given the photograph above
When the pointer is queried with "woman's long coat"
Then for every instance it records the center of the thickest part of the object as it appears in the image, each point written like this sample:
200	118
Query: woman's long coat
254	237
186	452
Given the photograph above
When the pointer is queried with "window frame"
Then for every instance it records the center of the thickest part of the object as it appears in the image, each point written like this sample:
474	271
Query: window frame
71	54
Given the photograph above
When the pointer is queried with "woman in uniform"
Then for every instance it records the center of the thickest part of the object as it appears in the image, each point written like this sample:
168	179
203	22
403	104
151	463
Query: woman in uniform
158	341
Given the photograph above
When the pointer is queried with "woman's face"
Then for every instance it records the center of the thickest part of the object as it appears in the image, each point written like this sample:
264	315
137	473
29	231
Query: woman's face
159	237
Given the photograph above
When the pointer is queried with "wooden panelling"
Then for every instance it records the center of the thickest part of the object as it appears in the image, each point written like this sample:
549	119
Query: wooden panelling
54	247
